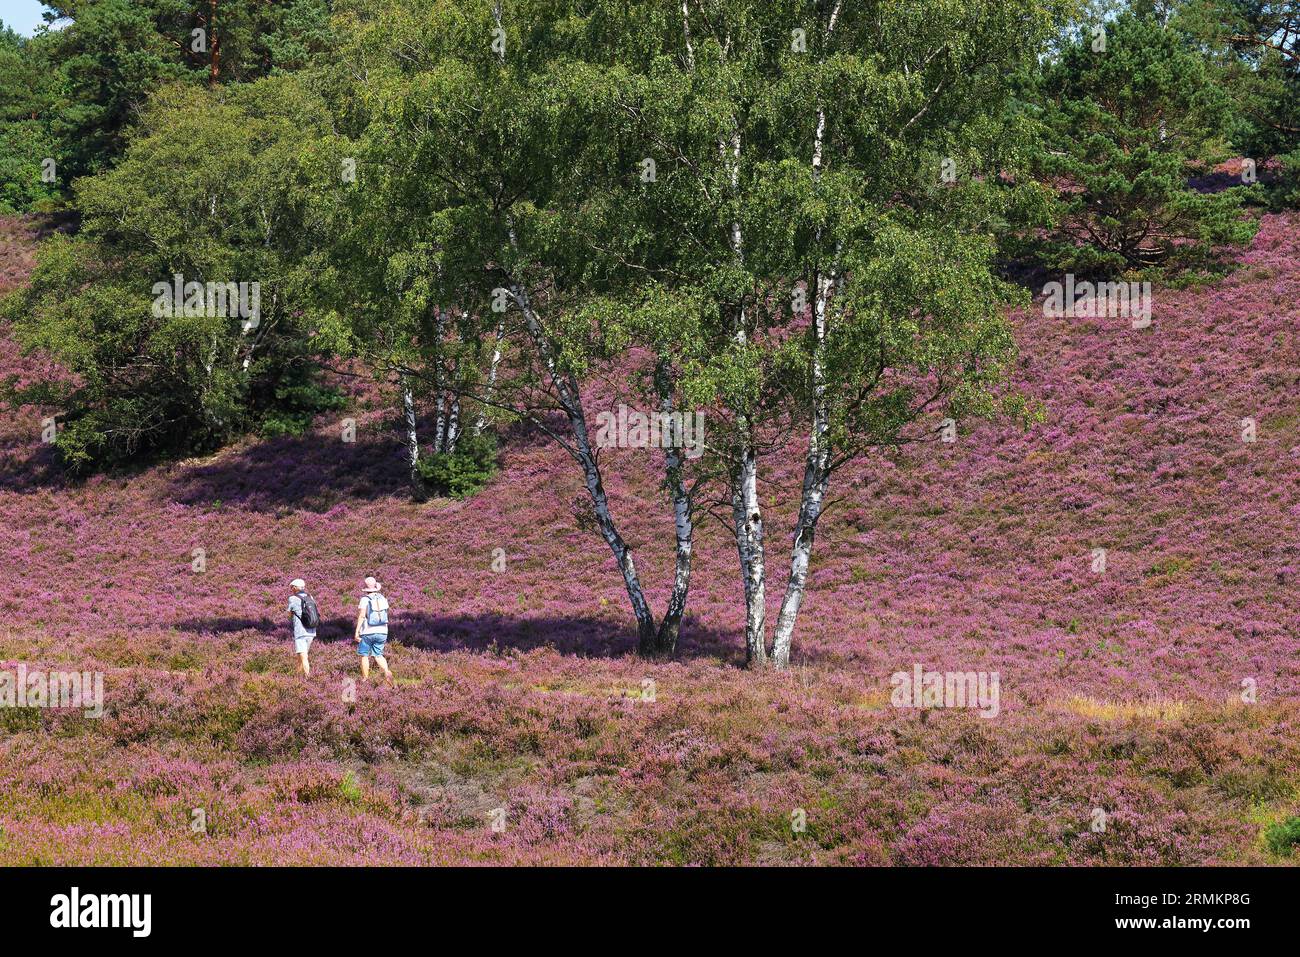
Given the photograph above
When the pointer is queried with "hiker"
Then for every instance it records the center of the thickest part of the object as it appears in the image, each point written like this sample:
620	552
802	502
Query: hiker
372	629
306	619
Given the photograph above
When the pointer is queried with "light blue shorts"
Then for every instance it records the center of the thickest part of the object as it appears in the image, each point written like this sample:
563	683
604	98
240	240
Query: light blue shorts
372	645
302	644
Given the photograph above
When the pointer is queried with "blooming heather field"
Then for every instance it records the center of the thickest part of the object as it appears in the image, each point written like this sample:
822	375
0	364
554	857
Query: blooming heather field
1121	690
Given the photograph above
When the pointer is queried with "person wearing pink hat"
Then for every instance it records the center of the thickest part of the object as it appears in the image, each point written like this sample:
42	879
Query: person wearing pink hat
372	629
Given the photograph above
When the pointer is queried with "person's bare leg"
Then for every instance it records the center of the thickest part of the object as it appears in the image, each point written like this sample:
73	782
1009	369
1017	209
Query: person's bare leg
365	668
304	663
383	666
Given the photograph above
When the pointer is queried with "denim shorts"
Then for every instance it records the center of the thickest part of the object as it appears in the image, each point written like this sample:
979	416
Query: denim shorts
303	643
372	645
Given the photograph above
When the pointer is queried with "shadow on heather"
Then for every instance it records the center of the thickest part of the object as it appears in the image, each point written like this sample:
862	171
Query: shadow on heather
37	472
569	635
313	472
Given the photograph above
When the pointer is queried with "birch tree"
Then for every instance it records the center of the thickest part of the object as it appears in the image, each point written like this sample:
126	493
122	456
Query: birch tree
833	179
811	250
486	124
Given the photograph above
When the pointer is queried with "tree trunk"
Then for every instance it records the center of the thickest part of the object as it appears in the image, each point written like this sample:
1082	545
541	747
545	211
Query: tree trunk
645	624
814	492
440	424
748	519
665	644
214	45
453	424
440	400
746	509
480	421
571	401
816	476
412	438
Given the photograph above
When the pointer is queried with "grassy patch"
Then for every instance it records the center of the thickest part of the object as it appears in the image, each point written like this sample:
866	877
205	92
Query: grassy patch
1282	837
1157	709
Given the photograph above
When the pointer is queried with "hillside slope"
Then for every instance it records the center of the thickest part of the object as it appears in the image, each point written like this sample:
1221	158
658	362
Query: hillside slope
1120	691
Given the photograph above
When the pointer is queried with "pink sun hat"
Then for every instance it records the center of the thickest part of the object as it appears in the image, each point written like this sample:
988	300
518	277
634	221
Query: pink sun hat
372	584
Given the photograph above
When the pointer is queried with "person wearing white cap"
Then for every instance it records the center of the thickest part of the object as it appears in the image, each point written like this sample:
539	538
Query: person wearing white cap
372	629
305	617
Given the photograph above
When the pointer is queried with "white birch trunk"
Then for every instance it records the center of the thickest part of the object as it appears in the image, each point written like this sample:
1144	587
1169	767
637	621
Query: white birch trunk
439	415
670	626
686	33
453	424
570	399
810	508
480	421
746	508
412	436
816	476
748	519
817	464
440	425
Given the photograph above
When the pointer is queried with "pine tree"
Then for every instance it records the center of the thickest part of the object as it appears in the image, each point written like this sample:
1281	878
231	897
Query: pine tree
1130	114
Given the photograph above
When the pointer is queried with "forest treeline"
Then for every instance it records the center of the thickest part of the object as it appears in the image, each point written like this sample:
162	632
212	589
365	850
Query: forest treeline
798	216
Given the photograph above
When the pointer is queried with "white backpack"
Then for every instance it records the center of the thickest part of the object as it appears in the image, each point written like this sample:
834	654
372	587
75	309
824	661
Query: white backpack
376	610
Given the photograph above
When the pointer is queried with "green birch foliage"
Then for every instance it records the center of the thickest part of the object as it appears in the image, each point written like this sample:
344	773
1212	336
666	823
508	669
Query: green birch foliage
921	142
554	137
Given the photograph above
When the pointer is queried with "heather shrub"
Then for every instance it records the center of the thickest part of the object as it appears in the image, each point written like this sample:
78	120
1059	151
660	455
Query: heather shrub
1254	783
17	720
311	782
722	831
295	728
259	662
537	815
184	660
974	835
145	706
219	703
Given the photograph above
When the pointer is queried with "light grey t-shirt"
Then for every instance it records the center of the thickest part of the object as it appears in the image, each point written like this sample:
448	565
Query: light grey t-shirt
295	610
